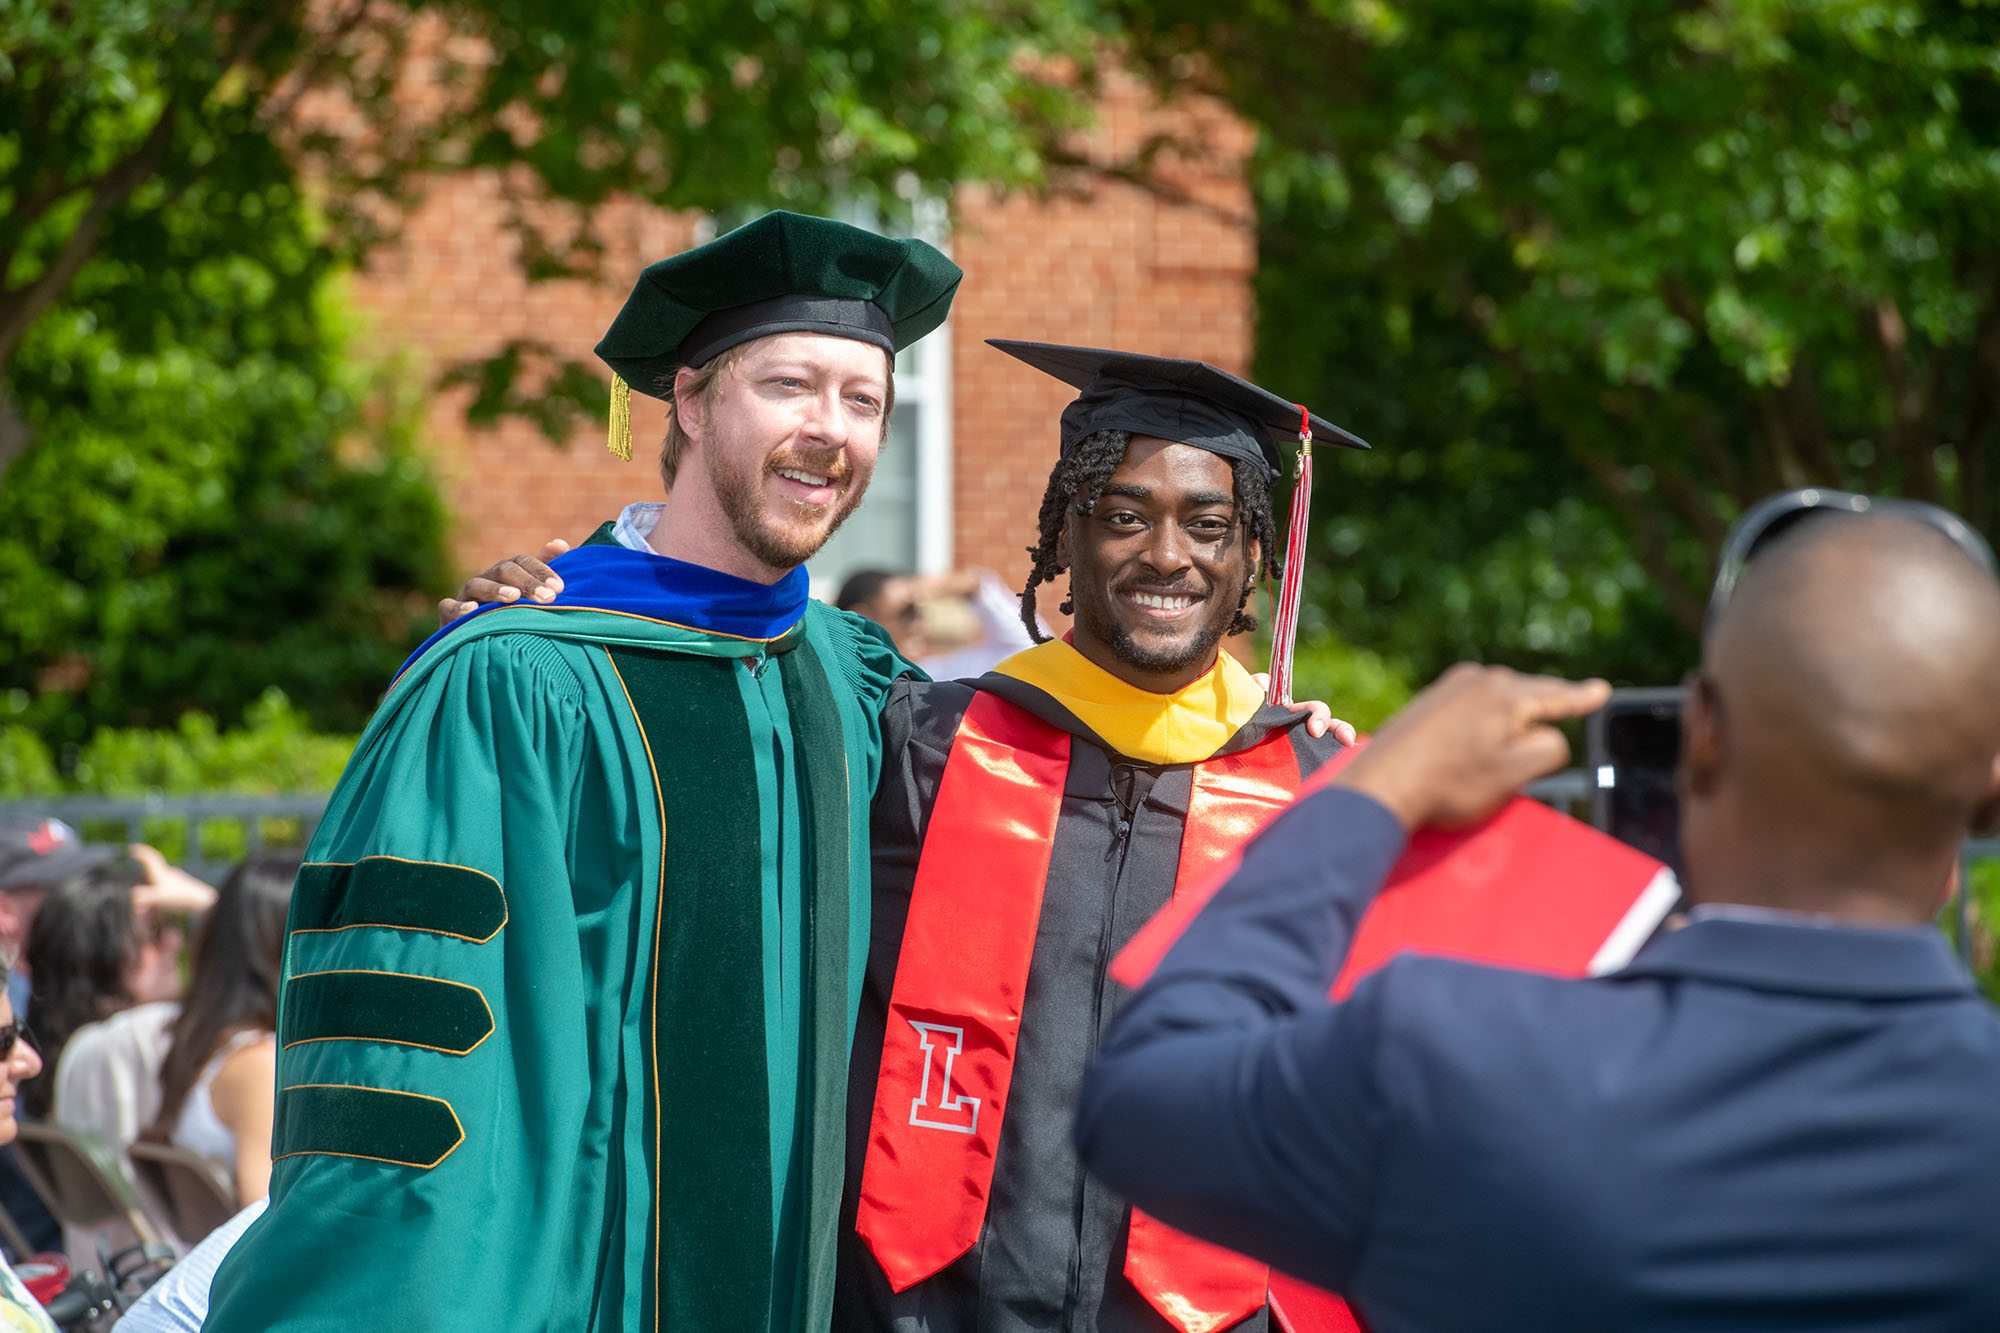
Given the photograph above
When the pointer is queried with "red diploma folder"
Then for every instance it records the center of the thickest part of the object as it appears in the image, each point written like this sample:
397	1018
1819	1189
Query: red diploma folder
1529	888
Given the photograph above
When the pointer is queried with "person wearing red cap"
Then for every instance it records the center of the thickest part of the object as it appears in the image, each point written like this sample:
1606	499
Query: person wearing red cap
36	854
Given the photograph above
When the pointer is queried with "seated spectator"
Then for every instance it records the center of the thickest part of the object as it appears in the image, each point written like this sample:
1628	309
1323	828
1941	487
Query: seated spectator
36	853
990	614
217	1085
18	1064
890	600
107	1082
92	954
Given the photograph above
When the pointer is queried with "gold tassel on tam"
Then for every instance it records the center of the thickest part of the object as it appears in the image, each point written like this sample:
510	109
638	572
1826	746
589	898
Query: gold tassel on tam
620	442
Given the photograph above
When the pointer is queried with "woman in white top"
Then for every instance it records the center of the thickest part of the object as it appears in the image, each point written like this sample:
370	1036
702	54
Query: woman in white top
217	1085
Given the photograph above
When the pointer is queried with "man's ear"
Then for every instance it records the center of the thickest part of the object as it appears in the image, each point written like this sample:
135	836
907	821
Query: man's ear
1701	740
688	405
1986	815
1062	544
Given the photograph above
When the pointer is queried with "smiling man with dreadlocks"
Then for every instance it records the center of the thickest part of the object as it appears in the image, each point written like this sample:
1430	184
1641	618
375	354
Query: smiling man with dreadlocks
1025	826
1078	483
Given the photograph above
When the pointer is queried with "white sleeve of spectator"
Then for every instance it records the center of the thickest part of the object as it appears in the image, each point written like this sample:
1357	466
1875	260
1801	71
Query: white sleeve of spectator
91	1092
178	1302
1001	634
107	1081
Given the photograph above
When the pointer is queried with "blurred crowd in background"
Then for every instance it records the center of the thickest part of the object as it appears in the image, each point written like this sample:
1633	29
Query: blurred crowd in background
149	1001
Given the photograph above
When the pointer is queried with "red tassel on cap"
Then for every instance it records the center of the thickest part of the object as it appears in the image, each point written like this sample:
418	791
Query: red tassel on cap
1285	626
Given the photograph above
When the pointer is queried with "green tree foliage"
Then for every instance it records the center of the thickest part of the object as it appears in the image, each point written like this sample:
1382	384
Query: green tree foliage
1597	274
1982	887
274	751
114	112
216	500
201	497
1361	687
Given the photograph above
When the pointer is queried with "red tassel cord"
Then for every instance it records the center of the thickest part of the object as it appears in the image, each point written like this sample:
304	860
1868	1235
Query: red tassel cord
1285	624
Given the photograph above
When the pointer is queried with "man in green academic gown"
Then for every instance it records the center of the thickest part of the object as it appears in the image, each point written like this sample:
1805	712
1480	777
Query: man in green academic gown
574	960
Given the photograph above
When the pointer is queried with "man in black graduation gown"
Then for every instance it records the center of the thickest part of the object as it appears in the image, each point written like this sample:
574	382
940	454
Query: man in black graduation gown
1025	826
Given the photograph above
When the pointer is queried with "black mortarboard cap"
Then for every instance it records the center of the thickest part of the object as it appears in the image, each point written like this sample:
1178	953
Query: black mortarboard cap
1188	402
783	273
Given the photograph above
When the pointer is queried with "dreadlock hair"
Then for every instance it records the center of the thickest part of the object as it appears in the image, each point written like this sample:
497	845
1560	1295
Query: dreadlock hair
1076	483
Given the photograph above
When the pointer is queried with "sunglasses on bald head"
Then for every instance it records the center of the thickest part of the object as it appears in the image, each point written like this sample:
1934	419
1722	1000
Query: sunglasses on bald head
1776	515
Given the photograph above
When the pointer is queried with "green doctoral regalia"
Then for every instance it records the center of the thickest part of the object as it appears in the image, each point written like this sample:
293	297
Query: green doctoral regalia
579	855
573	963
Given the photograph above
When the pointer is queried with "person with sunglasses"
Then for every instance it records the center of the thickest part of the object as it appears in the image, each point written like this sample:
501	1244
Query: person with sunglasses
1778	1116
18	1063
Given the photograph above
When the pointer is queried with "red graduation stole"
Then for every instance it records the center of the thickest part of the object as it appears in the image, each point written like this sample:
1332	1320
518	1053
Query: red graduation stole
961	979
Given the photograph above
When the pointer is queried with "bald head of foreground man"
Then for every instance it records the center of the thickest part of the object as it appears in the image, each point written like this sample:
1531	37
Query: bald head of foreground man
1843	734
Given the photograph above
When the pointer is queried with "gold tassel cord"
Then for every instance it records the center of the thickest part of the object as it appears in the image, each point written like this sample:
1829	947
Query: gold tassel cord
620	442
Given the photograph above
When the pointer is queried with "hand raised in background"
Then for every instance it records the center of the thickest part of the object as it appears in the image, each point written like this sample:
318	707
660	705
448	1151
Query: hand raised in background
167	889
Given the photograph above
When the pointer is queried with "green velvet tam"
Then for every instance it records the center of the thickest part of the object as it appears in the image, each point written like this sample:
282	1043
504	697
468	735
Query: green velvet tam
358	1005
783	273
373	1124
391	892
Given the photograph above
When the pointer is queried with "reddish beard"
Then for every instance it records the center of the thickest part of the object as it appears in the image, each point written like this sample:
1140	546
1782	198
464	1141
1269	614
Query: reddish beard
784	542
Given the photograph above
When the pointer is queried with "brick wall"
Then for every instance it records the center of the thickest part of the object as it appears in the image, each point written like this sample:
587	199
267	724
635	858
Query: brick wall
1161	270
1121	267
449	292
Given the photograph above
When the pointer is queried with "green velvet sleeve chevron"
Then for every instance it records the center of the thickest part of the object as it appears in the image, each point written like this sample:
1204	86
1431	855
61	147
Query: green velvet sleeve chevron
449	1124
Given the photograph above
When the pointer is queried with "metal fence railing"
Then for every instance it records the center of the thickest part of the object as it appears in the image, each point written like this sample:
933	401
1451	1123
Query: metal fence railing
204	834
208	834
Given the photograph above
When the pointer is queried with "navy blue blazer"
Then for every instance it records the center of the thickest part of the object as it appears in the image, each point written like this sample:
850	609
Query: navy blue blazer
1758	1124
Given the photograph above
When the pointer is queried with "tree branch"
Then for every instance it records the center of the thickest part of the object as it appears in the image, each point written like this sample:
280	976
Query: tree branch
1800	400
1975	451
21	307
1906	442
1655	546
1654	543
1137	172
303	78
37	196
